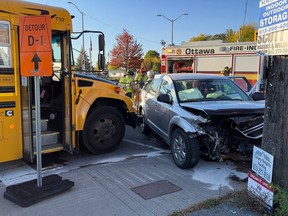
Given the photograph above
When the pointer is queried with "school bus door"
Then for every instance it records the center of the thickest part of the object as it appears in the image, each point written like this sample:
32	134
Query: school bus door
69	138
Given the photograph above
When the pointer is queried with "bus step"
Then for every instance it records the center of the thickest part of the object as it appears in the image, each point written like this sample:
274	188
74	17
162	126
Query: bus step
44	123
47	137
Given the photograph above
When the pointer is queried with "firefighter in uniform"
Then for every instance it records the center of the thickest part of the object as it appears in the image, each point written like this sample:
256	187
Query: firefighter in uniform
141	77
122	81
129	82
226	71
139	80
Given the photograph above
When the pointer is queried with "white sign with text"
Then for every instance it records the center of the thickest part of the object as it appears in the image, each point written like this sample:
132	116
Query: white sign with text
262	164
259	188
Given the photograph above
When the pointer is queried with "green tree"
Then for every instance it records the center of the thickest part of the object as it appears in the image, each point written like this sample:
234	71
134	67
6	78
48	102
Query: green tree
156	64
231	36
78	65
220	36
245	34
152	53
201	37
152	61
111	67
127	53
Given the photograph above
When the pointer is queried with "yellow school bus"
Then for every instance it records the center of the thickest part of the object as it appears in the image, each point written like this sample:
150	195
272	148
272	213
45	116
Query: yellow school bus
76	107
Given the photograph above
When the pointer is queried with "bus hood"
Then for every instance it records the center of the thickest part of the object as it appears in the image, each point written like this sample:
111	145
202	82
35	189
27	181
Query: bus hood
94	77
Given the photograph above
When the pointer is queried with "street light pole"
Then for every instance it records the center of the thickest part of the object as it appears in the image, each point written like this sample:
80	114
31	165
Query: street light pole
240	31
83	51
172	24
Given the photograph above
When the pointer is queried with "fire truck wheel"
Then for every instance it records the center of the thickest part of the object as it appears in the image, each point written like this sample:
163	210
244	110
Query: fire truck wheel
104	130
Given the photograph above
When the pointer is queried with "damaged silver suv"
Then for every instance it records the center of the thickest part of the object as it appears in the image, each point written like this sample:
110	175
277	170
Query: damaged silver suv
200	115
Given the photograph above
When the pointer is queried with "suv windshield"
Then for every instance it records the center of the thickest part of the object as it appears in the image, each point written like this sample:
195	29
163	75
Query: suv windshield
199	90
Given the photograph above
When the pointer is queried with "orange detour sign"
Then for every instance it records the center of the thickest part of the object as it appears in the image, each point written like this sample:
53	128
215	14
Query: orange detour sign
35	46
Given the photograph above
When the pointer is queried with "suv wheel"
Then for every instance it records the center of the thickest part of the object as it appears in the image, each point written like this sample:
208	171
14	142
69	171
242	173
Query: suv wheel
185	151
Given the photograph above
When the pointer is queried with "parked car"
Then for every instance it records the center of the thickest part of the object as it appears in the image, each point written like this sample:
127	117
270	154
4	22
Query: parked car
258	91
242	82
216	118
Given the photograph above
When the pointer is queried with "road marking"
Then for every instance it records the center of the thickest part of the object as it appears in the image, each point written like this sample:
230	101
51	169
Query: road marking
148	146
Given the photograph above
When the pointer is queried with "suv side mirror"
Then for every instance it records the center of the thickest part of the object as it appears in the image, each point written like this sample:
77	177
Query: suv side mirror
165	98
256	96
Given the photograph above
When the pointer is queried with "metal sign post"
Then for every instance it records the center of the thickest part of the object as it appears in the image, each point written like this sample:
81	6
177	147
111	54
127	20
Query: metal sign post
36	61
38	130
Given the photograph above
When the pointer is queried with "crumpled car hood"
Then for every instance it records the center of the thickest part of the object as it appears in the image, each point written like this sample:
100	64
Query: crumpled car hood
243	116
230	108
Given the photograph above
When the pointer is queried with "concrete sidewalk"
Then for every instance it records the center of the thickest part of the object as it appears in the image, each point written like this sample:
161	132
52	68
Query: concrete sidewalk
111	188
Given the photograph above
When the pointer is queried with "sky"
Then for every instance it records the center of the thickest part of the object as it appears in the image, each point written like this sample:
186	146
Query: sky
139	18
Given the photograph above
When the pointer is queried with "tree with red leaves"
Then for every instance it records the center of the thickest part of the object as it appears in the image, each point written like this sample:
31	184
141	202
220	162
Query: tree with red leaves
127	53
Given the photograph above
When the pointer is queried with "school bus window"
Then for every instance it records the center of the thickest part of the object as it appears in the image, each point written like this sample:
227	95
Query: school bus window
4	56
4	33
5	48
56	47
56	56
72	56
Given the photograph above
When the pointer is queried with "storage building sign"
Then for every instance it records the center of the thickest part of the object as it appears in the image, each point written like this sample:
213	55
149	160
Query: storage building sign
273	27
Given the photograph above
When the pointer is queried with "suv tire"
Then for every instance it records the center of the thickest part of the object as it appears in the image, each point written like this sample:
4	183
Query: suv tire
185	151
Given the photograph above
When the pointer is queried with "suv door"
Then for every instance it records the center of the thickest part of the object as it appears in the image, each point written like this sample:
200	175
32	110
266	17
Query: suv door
163	117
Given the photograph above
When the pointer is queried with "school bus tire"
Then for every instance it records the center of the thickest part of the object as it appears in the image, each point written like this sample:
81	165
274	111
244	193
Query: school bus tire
104	130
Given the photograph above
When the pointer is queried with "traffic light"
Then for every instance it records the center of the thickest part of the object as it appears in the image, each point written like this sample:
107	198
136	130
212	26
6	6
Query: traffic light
255	35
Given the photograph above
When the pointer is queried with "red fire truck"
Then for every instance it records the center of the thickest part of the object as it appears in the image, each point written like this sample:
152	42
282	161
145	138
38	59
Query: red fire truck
212	57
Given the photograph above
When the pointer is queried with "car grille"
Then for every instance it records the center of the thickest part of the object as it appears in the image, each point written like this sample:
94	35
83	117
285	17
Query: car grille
253	128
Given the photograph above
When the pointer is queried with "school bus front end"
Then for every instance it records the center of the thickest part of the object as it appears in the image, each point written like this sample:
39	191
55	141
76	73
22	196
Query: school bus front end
102	111
75	108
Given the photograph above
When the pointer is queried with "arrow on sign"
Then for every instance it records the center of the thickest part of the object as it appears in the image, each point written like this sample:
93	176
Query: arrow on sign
36	61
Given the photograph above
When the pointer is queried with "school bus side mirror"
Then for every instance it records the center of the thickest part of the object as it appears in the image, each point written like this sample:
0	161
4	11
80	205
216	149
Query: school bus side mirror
101	62
101	41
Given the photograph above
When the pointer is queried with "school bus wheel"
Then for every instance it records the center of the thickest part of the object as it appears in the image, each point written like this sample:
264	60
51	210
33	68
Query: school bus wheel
104	130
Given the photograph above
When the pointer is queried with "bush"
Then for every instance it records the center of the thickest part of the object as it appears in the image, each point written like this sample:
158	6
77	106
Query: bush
280	201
